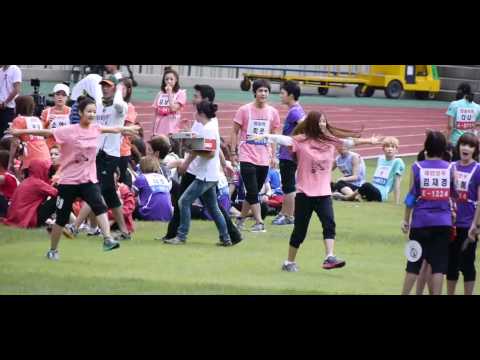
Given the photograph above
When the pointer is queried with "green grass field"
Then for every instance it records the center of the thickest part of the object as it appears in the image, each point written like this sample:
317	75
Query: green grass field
368	237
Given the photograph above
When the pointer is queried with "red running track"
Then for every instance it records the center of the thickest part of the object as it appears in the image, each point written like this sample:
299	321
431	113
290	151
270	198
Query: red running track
407	124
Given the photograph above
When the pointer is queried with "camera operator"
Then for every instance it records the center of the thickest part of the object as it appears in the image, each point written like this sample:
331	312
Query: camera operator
10	85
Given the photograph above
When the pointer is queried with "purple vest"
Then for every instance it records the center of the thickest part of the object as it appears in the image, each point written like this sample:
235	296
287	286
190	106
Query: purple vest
432	187
467	181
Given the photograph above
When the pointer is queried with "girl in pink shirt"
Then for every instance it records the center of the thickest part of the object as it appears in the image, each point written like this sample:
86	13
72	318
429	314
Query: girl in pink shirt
78	177
313	145
168	104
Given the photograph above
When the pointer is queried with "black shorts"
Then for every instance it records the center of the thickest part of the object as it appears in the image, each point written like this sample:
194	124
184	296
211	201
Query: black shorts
434	241
339	185
459	260
67	194
370	192
288	169
106	166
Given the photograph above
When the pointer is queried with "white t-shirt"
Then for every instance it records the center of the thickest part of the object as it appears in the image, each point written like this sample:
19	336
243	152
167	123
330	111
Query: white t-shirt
111	116
197	129
91	84
8	78
209	169
118	75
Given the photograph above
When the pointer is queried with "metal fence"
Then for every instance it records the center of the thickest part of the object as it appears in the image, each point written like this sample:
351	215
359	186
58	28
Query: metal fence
228	71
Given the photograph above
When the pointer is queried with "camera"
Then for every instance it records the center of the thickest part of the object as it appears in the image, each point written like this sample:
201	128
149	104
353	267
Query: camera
41	101
35	83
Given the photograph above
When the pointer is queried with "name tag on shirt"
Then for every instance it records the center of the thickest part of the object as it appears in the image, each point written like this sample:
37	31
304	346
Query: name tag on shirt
381	175
158	183
34	123
465	118
258	127
462	182
435	184
59	121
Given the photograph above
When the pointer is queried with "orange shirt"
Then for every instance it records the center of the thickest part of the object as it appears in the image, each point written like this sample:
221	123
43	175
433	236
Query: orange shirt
53	118
36	146
126	146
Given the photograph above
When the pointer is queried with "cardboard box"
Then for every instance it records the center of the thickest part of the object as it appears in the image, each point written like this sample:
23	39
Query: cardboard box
190	142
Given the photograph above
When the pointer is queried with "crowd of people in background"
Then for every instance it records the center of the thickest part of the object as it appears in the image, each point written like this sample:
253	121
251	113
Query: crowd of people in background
84	165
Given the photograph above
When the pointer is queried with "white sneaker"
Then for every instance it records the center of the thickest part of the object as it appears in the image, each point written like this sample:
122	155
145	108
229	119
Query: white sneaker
84	228
258	228
94	231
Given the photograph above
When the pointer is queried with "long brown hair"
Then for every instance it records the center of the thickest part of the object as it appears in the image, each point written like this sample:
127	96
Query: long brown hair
310	127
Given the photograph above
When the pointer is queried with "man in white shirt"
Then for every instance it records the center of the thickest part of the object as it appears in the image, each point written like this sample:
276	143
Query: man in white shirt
10	85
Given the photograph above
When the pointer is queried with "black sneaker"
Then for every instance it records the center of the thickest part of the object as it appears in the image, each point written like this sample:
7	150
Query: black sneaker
110	244
236	237
225	243
123	236
333	263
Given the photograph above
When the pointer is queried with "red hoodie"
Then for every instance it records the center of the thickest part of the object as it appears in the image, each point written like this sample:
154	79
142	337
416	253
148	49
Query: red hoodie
29	195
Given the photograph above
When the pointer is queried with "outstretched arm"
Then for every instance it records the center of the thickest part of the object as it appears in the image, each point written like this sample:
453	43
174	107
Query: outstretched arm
125	130
35	132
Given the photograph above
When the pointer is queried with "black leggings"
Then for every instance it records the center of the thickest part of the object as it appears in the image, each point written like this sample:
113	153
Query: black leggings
176	192
125	177
46	210
253	177
304	207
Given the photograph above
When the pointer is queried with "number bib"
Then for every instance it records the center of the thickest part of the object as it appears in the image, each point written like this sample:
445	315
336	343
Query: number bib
158	183
465	119
435	184
34	123
381	175
163	104
257	127
59	121
462	183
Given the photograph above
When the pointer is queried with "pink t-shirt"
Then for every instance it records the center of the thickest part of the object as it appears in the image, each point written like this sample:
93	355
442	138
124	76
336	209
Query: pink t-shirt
253	120
314	165
77	153
166	121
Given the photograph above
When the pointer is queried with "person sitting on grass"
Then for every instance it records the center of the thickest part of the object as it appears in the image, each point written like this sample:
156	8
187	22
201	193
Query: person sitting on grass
387	177
153	190
8	183
352	167
33	202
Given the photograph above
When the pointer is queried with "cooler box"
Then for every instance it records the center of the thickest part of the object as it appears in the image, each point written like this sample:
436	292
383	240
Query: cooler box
189	141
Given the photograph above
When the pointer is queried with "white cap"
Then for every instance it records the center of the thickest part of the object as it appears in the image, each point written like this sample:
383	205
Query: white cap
61	87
